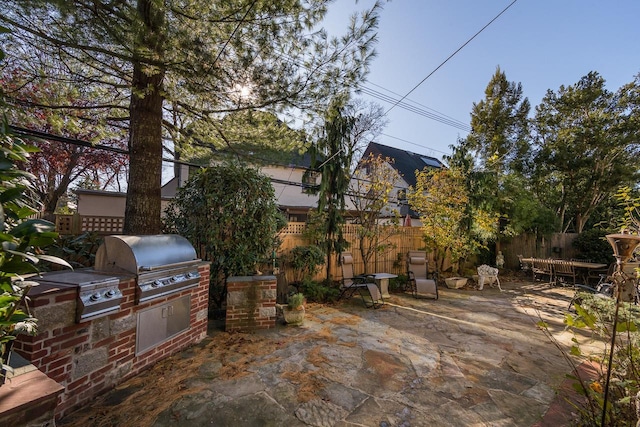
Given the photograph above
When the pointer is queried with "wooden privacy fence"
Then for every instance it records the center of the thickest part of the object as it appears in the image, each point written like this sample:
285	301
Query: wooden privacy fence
397	240
557	245
400	240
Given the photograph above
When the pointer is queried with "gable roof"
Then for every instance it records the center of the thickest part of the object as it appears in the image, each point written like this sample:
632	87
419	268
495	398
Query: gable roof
405	162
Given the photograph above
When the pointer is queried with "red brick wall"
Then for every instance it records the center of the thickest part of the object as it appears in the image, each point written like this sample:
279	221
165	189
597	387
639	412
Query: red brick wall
251	303
91	357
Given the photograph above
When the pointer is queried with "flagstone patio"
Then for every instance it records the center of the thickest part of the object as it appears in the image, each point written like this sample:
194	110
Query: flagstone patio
471	358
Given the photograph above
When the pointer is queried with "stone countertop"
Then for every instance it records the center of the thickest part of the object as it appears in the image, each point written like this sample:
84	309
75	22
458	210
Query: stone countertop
26	390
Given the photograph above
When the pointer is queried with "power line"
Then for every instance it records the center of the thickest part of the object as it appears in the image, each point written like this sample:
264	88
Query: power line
433	114
419	104
57	138
439	118
452	55
413	143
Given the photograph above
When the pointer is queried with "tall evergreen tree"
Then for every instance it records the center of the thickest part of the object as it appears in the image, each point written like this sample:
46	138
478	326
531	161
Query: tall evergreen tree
332	156
499	135
495	149
178	63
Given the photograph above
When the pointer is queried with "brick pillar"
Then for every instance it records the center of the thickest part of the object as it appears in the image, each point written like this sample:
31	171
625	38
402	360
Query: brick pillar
251	303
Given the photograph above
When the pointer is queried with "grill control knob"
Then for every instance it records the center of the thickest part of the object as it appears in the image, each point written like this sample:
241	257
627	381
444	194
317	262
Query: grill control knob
110	293
94	297
156	283
174	278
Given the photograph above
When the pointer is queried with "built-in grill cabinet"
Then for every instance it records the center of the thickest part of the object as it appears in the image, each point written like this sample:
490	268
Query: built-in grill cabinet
98	294
161	322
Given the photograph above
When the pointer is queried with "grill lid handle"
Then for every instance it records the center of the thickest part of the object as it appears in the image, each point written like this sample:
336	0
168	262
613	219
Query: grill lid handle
166	266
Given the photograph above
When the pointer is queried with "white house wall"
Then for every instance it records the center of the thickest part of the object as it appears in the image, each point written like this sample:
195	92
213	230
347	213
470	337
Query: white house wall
289	194
399	184
103	203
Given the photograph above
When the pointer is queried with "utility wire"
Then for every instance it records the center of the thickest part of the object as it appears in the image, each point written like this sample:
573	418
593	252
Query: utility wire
442	119
452	55
439	113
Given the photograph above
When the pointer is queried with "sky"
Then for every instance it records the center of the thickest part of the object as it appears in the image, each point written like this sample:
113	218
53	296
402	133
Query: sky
541	44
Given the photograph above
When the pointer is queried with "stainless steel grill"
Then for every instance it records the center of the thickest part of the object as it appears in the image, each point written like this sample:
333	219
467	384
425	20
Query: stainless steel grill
98	294
163	264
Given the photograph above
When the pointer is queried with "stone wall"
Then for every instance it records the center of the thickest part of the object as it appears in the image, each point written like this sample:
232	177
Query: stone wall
251	303
91	357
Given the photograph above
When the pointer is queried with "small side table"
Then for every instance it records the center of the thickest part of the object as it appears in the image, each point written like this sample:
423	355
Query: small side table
382	280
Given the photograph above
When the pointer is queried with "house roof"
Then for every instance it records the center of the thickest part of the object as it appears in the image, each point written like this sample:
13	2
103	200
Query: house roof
405	162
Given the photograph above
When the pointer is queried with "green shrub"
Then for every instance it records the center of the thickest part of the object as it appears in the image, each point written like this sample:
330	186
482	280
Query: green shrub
398	283
305	261
593	245
229	214
79	251
22	242
319	292
596	314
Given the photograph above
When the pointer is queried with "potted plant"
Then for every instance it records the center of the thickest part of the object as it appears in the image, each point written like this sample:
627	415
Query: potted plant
294	311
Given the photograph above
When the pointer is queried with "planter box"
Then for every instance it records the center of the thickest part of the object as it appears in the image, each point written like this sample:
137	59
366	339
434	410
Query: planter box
455	282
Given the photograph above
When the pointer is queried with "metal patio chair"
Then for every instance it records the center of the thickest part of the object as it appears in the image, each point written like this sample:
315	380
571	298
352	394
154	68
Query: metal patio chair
350	283
420	283
371	295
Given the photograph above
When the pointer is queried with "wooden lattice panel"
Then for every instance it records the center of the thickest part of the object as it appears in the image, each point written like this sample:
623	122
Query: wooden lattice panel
102	224
64	224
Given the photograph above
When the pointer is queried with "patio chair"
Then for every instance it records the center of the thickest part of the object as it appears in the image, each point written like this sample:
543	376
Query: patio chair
599	275
602	290
489	275
543	268
371	295
524	266
350	283
420	283
563	271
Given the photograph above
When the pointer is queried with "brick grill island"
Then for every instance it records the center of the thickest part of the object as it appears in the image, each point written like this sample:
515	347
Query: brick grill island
90	355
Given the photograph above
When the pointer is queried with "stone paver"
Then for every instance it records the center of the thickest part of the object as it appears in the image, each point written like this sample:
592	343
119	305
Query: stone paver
469	359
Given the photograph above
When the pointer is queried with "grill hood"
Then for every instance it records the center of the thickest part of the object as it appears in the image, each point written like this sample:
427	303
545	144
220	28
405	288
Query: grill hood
136	254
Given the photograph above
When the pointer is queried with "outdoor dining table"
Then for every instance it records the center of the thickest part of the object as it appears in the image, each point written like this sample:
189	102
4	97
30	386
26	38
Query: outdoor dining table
584	266
577	264
382	280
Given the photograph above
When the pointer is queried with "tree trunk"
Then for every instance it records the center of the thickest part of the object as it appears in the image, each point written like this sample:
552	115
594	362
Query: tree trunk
142	211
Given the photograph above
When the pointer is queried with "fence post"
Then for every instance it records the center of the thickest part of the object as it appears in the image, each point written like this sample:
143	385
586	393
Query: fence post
76	224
